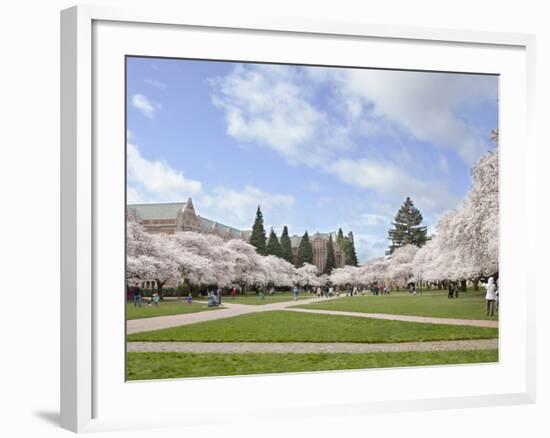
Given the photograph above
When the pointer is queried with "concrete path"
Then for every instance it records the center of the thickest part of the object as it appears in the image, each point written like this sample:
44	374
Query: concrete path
230	309
308	347
407	318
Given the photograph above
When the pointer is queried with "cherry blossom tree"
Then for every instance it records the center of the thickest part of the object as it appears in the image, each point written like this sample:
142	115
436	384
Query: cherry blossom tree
466	244
308	275
400	267
344	276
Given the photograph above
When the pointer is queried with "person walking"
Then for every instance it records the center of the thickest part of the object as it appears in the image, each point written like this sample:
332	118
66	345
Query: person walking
295	293
490	296
189	298
137	296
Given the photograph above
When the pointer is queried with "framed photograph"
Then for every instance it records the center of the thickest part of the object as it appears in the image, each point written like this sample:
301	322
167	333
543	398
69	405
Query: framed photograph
258	208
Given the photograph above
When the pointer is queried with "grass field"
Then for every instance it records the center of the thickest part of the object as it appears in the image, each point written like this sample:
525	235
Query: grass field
165	308
469	305
145	366
284	326
254	299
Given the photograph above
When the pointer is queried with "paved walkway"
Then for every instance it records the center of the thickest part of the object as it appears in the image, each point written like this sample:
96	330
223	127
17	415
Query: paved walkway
230	309
407	318
308	347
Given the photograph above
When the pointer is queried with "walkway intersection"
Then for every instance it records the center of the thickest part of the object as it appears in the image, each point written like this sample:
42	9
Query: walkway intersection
230	309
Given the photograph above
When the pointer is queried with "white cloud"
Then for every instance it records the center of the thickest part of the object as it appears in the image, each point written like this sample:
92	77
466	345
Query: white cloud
369	246
276	107
424	103
156	181
143	105
154	83
443	164
392	183
237	207
373	219
271	106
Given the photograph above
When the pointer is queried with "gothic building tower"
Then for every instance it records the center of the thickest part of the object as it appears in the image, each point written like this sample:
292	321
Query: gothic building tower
187	220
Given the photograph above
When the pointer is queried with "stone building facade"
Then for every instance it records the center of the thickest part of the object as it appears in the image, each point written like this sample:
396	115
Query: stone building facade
170	218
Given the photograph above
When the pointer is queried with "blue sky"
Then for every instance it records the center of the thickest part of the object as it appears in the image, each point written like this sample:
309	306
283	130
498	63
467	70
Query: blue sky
318	148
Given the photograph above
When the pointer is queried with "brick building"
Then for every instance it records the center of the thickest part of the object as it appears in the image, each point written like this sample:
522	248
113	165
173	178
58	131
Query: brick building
174	217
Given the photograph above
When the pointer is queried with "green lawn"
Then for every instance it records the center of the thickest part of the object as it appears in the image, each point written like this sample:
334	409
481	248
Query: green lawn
277	297
166	307
469	305
145	366
284	326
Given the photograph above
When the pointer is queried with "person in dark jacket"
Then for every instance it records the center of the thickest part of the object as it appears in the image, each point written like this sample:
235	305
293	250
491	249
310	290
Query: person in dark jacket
450	290
137	296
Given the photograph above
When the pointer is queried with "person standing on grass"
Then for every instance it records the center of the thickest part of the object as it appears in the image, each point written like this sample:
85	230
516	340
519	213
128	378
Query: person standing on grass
137	296
450	291
233	292
295	293
262	293
490	296
189	298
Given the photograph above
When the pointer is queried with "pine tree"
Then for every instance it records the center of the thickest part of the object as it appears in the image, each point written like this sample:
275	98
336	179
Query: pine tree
406	227
257	238
273	245
305	250
331	260
340	236
286	247
347	246
351	255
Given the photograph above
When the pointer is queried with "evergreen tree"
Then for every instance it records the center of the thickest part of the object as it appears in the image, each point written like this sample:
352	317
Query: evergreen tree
351	255
257	238
273	245
340	236
347	246
331	260
286	247
406	227
305	250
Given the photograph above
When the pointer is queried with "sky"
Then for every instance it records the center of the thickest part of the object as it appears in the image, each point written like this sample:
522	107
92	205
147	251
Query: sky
318	148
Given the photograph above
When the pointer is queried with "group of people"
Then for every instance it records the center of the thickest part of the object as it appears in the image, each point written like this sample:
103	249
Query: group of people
137	296
214	297
452	290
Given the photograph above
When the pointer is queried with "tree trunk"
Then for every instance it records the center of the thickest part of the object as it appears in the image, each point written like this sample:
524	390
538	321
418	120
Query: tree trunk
463	285
160	284
476	284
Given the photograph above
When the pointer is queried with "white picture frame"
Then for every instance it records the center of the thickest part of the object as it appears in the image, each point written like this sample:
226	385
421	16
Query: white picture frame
91	388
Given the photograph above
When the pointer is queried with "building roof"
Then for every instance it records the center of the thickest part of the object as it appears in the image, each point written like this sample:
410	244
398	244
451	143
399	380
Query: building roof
170	211
145	212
